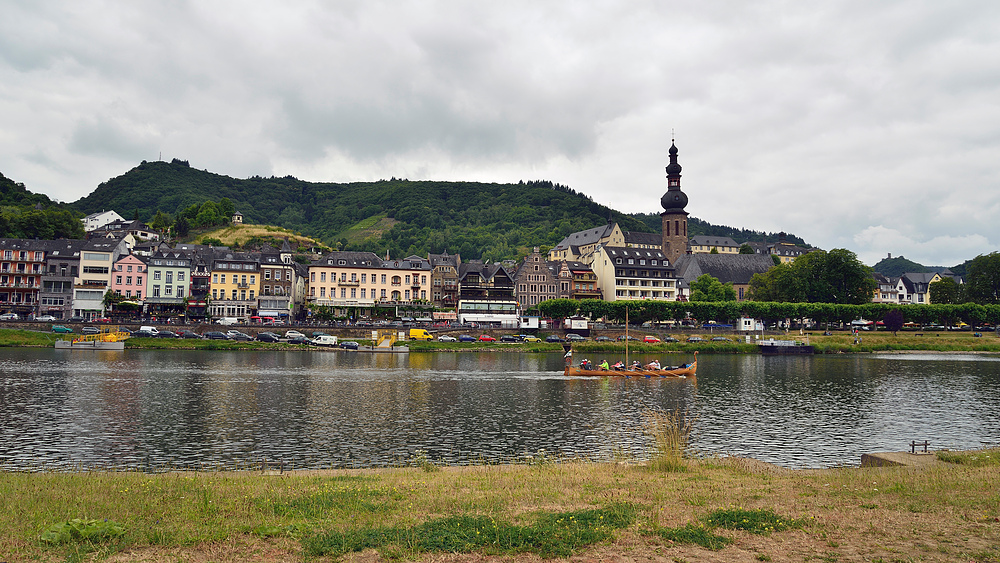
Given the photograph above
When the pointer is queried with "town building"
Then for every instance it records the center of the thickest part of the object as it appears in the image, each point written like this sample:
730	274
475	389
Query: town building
537	280
168	283
486	294
280	282
235	284
704	244
96	258
22	264
97	220
444	279
62	266
630	273
129	278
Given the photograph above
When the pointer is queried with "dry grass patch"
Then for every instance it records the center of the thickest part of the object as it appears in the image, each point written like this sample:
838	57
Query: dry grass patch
942	513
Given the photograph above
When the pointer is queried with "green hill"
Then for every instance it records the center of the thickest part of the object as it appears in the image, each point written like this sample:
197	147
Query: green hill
24	214
478	220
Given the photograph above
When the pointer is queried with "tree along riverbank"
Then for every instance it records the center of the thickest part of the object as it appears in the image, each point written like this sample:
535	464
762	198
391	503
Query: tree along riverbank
837	343
716	509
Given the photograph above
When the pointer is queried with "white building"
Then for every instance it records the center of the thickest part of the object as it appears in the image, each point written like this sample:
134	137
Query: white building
97	220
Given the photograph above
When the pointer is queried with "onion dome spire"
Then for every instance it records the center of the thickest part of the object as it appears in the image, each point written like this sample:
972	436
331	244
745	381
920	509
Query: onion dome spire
674	200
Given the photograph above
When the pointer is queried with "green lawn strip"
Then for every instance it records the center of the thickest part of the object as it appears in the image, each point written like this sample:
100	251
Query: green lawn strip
551	535
974	458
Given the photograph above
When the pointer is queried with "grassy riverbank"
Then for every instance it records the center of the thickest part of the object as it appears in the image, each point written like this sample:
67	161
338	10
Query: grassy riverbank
837	343
705	510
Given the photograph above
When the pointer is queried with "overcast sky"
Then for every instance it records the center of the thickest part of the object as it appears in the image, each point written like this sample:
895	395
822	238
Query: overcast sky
868	125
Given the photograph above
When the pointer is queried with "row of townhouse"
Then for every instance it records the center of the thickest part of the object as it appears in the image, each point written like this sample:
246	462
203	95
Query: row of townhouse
69	278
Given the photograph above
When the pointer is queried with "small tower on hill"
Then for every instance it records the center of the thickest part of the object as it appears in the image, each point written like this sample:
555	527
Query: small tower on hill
675	230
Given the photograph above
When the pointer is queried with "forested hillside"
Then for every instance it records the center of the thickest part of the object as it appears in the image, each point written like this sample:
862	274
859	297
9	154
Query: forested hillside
491	221
478	220
24	214
895	267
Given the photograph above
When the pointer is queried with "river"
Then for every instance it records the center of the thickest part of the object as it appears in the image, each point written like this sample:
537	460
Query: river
152	410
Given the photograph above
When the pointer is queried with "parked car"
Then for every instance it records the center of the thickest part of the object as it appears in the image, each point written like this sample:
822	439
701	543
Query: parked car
532	339
267	337
102	320
603	339
189	334
143	334
721	339
486	338
237	335
294	334
349	345
216	335
628	337
45	318
466	338
650	339
695	339
553	338
571	337
9	317
90	330
669	339
166	334
509	338
318	333
61	329
446	338
76	319
299	340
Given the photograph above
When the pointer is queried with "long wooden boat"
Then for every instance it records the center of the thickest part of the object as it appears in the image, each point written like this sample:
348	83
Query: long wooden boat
685	371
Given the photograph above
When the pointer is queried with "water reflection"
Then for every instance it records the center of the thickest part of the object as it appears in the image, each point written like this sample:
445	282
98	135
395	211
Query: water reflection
147	409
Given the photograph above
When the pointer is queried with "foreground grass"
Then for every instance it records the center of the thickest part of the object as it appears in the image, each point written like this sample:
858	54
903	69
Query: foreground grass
715	510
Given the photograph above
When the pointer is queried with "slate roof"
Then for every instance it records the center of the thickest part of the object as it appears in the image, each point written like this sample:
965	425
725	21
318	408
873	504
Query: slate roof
735	268
706	240
582	238
647	239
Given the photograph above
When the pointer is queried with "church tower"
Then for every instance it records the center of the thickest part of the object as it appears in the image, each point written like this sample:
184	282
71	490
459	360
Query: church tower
675	226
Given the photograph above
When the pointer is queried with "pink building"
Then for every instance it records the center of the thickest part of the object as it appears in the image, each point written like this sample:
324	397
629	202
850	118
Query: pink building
129	278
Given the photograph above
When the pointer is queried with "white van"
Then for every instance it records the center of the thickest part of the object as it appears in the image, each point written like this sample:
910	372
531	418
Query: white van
227	321
325	340
151	329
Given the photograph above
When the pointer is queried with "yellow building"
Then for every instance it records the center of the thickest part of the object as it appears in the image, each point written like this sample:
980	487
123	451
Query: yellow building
235	284
704	244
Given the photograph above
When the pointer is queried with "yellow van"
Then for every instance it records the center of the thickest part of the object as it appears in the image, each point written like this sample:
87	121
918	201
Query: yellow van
420	334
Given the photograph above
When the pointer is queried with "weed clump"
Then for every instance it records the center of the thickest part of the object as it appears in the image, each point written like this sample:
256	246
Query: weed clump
671	434
81	530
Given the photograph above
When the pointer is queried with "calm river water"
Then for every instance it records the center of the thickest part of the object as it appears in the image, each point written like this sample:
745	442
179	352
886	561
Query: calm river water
157	409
